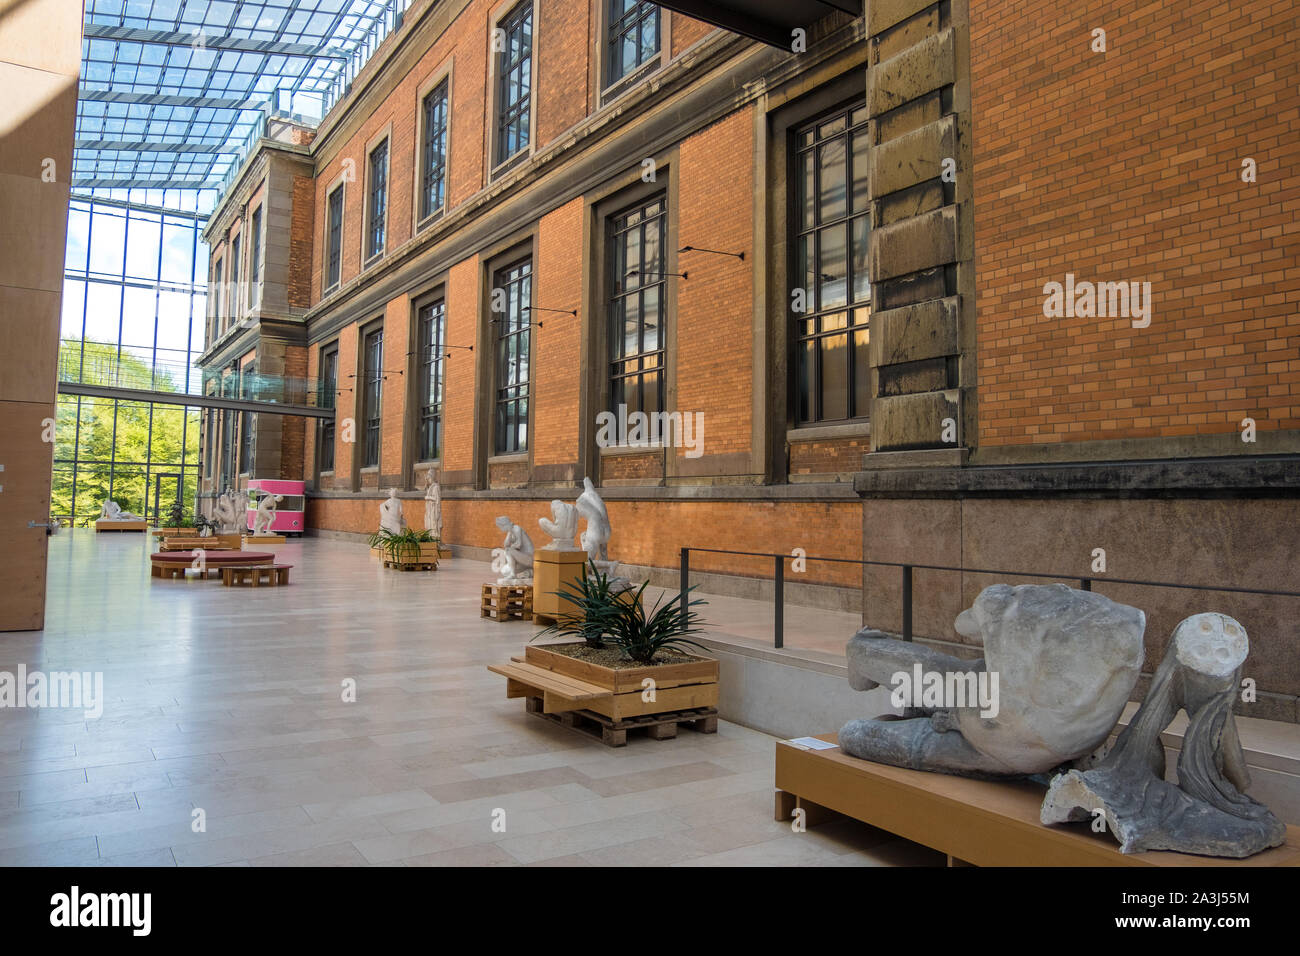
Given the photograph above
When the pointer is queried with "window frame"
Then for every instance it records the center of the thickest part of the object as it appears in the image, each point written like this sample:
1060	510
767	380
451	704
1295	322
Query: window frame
334	249
430	367
614	291
507	12
372	406
816	313
329	358
368	257
247	421
442	78
257	223
236	248
522	333
612	87
218	326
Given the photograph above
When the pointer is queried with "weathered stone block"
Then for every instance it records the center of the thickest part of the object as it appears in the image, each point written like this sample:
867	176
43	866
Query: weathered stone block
911	245
915	421
929	65
912	158
883	14
924	330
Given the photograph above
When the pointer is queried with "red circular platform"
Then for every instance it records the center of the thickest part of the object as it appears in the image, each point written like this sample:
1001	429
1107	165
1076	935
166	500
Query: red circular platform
213	558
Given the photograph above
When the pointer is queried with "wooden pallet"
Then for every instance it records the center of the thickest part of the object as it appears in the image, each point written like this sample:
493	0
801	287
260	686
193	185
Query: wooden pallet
507	602
613	733
411	565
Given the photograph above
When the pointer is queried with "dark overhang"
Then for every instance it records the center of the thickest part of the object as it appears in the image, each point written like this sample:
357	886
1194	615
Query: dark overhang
770	21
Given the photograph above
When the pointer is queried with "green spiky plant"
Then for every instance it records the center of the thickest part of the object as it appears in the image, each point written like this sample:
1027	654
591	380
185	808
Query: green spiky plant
611	615
402	548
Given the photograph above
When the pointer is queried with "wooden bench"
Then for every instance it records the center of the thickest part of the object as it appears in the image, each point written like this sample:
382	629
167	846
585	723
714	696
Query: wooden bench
558	691
973	822
251	575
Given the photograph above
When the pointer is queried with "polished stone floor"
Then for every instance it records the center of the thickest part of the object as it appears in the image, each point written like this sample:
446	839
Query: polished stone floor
230	701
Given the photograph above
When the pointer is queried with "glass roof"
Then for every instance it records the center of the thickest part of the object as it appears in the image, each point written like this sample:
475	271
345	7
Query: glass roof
174	91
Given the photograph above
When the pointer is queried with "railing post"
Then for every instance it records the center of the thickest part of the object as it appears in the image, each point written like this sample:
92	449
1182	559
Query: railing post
779	622
686	578
907	602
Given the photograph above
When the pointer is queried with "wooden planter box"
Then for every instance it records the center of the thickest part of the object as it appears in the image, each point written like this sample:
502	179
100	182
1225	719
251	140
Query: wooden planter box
408	559
678	687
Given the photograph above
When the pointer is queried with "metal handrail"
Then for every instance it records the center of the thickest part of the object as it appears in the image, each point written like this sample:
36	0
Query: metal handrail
1085	583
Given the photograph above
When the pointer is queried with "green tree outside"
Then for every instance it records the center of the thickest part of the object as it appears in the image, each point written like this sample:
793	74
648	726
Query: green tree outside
145	444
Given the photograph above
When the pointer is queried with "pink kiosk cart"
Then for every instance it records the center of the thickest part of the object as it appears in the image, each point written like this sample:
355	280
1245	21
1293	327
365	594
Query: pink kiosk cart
290	514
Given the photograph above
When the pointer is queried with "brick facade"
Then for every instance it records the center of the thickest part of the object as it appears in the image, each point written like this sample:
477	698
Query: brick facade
1127	166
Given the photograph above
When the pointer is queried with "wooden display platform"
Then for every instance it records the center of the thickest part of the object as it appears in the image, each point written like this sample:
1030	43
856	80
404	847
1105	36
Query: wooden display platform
555	572
507	602
974	822
252	575
213	542
251	539
613	733
175	532
107	524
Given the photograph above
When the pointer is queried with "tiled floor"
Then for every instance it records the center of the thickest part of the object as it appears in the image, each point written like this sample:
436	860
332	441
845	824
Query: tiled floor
229	701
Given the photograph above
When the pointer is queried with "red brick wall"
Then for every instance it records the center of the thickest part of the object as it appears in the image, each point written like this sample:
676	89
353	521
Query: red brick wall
557	363
458	403
300	243
562	93
347	421
715	305
397	366
651	533
1126	165
686	31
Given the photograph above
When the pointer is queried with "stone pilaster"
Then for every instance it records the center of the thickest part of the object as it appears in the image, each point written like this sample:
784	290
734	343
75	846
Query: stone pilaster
921	253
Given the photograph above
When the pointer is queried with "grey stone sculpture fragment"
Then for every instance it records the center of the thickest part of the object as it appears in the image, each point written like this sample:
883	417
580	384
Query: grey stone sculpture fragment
1206	812
1061	663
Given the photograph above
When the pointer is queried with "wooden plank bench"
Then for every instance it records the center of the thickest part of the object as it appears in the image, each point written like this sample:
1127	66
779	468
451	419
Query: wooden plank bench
558	692
973	822
251	575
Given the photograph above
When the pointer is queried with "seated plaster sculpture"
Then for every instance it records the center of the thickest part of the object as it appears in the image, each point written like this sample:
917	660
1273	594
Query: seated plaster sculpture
110	510
1206	812
562	528
391	518
266	514
226	513
1061	663
514	559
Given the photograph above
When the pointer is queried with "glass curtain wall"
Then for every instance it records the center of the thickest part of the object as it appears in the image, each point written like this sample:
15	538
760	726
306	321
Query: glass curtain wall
134	306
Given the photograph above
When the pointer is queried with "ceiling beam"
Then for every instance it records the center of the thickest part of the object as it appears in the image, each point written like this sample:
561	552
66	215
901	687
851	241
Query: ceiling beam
193	401
167	99
154	146
95	182
199	41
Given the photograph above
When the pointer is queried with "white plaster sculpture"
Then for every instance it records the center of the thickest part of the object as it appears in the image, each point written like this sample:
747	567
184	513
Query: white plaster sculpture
514	559
562	528
227	514
241	509
1207	811
1061	663
266	514
110	510
595	540
433	504
391	518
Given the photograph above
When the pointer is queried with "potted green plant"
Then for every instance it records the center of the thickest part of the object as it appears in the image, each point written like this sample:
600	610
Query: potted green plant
412	546
623	646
